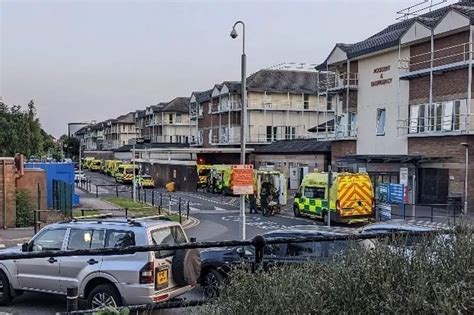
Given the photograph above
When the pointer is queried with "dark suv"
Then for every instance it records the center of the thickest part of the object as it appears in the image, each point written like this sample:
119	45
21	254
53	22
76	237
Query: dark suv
216	263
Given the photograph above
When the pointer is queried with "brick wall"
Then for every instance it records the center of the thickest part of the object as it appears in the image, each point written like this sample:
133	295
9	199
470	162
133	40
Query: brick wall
33	179
447	86
7	193
452	157
341	149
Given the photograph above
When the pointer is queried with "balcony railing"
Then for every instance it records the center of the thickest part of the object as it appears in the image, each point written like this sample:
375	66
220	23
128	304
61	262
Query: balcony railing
286	105
452	55
340	81
438	125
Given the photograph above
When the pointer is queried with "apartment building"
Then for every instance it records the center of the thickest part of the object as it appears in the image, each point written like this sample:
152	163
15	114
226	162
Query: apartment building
281	105
119	131
93	138
168	122
402	101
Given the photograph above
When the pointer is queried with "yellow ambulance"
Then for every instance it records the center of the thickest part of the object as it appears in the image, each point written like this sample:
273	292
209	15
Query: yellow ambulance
349	200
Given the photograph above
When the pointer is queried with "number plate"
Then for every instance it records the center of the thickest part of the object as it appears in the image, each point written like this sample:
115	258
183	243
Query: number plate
161	278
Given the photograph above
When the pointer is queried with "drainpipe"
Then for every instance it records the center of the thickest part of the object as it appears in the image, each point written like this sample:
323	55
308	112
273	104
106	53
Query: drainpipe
469	81
431	68
398	90
4	194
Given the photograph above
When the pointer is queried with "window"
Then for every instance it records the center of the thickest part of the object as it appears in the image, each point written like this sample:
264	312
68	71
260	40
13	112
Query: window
123	127
380	121
119	239
290	133
305	101
86	239
171	139
168	236
269	133
200	110
329	103
275	133
178	118
48	240
170	118
435	117
315	192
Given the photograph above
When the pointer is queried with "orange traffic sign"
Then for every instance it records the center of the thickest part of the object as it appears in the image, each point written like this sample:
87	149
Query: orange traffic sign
242	179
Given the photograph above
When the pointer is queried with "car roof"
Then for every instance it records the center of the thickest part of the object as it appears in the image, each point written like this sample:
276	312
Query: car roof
308	230
402	225
115	223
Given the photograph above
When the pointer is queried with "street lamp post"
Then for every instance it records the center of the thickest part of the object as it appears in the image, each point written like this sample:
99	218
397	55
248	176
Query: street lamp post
134	183
243	118
466	145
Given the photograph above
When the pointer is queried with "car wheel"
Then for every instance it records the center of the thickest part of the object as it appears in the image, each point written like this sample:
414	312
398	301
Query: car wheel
5	293
212	282
104	295
296	211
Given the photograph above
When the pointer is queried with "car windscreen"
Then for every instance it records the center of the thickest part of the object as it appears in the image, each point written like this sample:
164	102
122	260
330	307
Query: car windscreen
315	192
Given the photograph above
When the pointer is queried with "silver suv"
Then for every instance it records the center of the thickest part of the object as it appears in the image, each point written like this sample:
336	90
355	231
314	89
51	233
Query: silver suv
140	278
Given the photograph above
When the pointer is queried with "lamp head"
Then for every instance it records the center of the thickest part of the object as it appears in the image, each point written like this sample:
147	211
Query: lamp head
233	33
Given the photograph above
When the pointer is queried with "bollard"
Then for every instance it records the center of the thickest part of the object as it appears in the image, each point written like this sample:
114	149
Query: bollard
259	244
96	191
169	204
144	195
126	213
72	299
179	209
116	191
152	198
35	223
82	212
131	193
187	211
161	203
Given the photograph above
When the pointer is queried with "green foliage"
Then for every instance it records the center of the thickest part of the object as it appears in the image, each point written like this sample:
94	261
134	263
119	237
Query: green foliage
24	208
113	311
71	146
21	132
140	209
435	277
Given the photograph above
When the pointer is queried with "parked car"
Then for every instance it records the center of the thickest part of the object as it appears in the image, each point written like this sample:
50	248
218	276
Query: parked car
109	280
79	176
393	226
217	262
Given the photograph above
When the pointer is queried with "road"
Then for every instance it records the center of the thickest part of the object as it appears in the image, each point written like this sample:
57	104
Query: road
218	220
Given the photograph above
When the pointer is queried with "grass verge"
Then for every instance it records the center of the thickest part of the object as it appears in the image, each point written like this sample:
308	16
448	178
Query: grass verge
140	209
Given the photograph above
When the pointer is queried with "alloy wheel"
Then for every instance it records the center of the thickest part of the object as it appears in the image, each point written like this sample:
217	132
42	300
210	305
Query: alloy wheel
102	300
211	285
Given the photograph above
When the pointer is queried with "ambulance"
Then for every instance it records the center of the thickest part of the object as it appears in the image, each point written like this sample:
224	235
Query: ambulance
95	165
125	174
349	200
203	172
272	184
86	162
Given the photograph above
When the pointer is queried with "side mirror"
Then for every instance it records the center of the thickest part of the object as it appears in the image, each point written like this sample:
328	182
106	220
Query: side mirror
24	247
192	240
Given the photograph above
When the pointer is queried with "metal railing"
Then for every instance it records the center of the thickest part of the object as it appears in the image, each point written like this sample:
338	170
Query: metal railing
287	105
449	214
443	56
259	244
336	81
438	124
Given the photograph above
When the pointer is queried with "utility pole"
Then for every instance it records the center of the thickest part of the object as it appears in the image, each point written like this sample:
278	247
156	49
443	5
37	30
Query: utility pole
243	120
466	174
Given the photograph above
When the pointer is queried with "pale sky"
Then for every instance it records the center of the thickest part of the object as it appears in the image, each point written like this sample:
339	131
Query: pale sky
98	59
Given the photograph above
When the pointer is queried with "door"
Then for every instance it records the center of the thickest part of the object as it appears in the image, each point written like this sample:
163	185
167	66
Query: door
433	185
73	269
294	178
42	274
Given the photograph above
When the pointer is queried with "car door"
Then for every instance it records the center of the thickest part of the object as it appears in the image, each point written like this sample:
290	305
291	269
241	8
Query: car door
73	269
42	274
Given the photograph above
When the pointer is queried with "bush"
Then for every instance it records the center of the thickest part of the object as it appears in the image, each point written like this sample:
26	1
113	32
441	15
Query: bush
24	208
436	276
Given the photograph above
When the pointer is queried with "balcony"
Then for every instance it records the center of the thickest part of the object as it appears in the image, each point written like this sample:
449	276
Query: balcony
286	105
345	128
338	82
439	119
444	59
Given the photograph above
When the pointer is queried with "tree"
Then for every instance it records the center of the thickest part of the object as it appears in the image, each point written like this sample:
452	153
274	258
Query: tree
21	132
71	146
